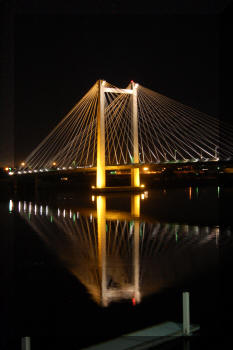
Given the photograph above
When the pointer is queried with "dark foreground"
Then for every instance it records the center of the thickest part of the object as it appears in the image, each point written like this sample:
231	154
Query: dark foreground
47	284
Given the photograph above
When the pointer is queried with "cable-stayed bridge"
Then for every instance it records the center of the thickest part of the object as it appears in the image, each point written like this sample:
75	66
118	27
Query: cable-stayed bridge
112	128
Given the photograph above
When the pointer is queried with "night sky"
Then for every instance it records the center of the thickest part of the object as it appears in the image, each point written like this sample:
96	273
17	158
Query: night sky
59	54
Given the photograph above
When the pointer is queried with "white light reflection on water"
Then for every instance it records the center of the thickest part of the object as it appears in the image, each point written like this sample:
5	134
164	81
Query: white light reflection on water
11	204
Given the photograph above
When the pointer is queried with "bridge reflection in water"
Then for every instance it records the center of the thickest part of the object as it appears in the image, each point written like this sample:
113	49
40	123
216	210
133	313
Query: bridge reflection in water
121	255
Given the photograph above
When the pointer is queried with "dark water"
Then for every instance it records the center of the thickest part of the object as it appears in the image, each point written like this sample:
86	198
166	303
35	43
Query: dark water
79	269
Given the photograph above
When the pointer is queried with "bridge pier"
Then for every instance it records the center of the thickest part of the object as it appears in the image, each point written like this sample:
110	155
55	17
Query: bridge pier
135	177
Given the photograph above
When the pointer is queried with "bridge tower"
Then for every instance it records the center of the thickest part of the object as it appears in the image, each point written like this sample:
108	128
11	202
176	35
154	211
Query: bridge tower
100	173
135	176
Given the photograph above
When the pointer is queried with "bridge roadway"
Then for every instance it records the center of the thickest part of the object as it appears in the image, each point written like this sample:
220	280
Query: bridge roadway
170	164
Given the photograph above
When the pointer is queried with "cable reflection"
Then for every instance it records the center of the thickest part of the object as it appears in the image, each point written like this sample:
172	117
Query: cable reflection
121	255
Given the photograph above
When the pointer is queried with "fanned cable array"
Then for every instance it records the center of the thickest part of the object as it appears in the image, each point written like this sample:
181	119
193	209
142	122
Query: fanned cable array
171	131
72	142
168	131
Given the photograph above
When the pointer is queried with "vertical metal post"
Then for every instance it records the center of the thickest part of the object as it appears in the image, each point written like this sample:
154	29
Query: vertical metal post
26	343
135	176
186	314
100	173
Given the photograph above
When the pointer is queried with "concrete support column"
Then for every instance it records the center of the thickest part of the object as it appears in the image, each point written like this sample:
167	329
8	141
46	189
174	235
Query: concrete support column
26	343
186	313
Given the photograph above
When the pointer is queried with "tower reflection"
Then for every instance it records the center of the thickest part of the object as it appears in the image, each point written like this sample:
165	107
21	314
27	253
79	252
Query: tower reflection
120	255
113	287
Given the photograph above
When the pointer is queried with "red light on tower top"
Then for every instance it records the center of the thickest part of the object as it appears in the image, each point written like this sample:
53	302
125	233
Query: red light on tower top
132	81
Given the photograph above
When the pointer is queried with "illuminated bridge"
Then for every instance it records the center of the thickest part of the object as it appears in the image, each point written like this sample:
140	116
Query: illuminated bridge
113	128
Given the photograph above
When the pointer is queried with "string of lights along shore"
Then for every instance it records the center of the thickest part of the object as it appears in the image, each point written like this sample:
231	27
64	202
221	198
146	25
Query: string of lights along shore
111	126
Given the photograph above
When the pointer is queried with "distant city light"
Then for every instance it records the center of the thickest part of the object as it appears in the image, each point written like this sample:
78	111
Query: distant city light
142	185
23	163
146	168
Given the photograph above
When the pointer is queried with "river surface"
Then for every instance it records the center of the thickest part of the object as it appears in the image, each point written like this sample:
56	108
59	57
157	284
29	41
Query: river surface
88	268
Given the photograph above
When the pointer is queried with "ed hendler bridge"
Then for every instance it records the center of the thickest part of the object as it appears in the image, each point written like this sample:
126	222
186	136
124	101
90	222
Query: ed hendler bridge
113	128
